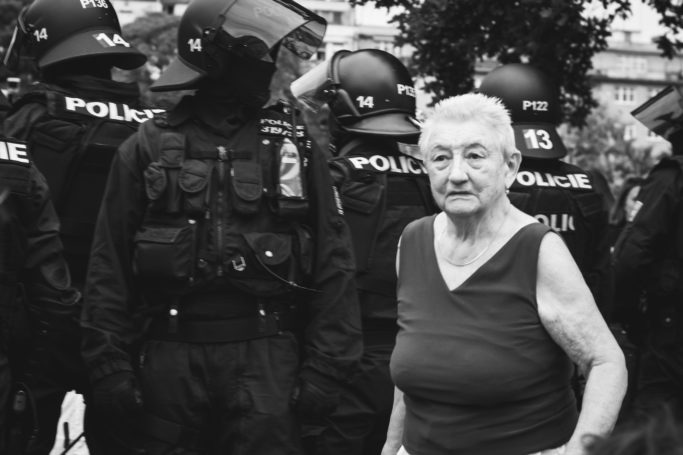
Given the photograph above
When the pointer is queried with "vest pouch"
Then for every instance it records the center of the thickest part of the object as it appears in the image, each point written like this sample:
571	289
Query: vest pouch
247	186
268	268
193	181
171	156
290	185
155	185
165	253
363	209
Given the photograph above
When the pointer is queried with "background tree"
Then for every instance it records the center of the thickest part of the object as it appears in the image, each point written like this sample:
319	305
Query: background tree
560	37
154	34
9	11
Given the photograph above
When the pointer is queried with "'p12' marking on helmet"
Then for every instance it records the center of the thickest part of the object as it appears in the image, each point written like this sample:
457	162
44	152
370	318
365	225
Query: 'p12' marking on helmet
393	164
14	152
113	111
535	105
94	4
535	139
115	40
403	89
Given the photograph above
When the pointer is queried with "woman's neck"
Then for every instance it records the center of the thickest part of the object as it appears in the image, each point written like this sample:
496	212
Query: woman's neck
478	226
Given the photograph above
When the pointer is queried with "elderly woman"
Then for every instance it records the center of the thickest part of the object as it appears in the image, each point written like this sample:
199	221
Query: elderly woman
492	310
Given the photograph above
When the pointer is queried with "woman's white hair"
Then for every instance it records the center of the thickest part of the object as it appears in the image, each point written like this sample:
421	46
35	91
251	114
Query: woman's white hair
473	107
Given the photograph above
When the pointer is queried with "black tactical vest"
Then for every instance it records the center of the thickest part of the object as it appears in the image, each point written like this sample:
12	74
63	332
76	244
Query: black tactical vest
381	192
226	213
15	186
73	146
562	197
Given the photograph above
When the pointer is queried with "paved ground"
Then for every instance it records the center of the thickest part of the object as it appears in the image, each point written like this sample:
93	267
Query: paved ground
72	413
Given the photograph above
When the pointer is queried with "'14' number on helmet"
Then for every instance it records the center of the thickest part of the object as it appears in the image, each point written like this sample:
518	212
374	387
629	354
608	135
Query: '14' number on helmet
115	40
195	44
365	101
40	34
536	139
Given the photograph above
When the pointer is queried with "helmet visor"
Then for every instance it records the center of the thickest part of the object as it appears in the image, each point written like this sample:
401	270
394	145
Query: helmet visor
320	85
259	25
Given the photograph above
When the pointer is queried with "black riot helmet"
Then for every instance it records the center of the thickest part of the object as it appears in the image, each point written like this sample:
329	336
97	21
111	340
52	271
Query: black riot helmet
533	101
55	31
369	91
211	31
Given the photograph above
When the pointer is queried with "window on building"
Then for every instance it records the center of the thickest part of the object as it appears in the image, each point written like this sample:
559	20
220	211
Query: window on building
629	132
631	65
624	95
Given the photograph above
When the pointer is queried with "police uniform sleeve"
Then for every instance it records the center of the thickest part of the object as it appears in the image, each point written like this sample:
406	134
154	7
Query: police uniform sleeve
333	342
21	121
108	322
645	237
46	275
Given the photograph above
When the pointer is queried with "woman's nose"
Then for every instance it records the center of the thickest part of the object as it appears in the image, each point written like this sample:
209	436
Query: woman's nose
457	172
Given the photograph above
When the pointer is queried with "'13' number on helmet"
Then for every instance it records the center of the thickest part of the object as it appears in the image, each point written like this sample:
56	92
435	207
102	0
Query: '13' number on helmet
115	40
40	34
536	139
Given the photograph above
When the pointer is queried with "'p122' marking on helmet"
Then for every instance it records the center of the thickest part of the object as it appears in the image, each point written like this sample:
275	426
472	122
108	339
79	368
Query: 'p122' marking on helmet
535	105
94	4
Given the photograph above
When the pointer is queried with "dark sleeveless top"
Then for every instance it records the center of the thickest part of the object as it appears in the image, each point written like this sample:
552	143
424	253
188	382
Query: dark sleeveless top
479	372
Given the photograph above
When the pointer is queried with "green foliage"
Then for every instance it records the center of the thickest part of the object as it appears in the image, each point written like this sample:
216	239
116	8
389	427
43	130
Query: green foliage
559	36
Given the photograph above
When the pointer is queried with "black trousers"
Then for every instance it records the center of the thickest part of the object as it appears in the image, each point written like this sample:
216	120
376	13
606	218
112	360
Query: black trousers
359	424
220	398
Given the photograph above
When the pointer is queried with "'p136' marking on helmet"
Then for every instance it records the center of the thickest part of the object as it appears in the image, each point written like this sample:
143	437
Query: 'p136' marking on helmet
94	4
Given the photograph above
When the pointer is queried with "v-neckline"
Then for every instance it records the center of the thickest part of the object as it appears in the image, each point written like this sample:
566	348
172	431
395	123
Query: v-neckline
478	269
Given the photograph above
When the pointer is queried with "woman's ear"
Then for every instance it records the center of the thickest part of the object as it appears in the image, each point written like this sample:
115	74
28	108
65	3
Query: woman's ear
512	166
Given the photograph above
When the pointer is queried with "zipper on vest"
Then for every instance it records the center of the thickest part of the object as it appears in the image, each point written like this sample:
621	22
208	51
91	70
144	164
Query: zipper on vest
222	159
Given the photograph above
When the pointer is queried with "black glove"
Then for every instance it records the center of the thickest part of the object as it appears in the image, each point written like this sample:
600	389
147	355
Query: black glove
315	396
118	394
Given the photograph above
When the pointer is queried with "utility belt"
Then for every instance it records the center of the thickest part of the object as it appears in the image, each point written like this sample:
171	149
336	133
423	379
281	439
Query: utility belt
228	330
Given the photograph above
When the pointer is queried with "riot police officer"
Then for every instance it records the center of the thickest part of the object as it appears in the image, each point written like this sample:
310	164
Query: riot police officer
34	283
372	107
648	268
220	299
73	120
556	193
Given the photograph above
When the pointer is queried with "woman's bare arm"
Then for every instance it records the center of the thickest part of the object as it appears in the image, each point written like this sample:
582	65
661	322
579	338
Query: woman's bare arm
569	314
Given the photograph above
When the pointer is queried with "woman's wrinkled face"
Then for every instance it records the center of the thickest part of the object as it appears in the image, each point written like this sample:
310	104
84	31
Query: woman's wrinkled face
466	167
